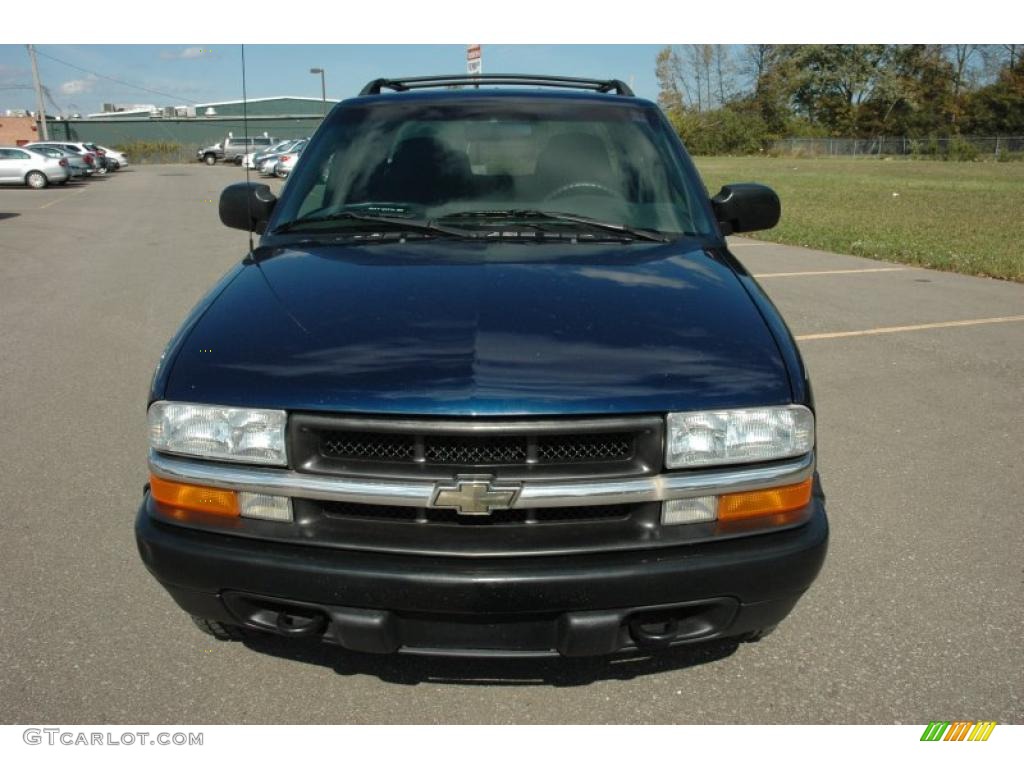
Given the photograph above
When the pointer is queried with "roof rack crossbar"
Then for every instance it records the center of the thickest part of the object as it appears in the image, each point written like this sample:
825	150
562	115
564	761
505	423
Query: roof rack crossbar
440	81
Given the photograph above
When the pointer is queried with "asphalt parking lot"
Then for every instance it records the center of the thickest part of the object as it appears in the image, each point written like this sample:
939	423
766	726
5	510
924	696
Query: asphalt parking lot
917	616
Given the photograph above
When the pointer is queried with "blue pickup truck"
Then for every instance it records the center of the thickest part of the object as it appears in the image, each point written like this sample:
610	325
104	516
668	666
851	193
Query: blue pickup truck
490	383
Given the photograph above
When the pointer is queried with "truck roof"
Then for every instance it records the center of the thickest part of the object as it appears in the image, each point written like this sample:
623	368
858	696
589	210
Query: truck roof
460	87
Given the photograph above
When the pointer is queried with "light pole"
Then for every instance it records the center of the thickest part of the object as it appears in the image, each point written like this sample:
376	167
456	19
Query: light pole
323	85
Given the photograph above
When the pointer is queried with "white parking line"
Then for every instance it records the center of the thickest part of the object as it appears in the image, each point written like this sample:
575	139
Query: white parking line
830	272
903	328
63	197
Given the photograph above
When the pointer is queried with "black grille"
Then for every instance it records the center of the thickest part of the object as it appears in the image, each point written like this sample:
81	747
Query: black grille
474	451
368	446
348	510
565	449
510	449
478	450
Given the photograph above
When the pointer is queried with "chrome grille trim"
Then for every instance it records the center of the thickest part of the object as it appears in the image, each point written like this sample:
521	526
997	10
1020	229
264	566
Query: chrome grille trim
540	493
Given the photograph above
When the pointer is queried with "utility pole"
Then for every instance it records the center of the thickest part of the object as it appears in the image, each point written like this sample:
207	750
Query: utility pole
323	86
40	106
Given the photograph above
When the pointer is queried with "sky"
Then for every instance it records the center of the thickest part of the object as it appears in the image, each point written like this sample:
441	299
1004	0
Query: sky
195	73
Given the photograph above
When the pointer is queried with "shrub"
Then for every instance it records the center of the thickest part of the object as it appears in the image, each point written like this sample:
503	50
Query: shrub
153	151
958	149
724	131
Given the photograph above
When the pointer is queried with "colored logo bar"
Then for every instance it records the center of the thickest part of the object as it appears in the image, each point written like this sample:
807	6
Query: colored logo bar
958	730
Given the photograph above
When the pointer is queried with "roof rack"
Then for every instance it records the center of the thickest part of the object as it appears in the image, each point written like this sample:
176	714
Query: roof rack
441	81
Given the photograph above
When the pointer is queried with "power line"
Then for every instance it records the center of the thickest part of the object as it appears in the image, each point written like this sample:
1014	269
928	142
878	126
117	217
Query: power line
53	101
113	79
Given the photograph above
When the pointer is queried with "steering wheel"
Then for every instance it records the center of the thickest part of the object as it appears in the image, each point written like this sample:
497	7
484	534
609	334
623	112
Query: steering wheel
576	186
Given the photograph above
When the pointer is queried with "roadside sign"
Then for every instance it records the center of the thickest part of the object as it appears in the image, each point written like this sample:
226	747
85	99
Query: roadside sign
474	59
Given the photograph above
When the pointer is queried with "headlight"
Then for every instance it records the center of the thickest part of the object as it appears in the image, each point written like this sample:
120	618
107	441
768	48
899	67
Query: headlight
701	438
251	435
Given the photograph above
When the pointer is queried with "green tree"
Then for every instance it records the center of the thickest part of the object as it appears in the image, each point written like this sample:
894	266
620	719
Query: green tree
997	108
833	82
914	98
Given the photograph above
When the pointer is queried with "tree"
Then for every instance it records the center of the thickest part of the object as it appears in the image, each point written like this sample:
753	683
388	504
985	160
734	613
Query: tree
963	56
672	94
835	80
916	91
723	73
698	59
913	97
997	108
773	72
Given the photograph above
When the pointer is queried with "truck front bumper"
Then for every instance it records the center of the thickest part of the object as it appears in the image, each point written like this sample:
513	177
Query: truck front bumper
581	605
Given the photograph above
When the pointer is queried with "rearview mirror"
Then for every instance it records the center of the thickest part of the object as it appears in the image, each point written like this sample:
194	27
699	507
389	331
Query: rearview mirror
247	205
746	208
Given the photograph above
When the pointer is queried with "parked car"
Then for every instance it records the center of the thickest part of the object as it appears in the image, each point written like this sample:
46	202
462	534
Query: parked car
257	159
492	383
250	158
269	166
119	157
76	162
106	158
91	158
233	148
286	162
24	165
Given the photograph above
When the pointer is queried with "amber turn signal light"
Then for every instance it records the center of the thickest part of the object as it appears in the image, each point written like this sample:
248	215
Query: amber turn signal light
194	498
772	501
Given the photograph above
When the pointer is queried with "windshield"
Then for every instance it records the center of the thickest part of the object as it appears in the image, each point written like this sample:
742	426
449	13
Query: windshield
607	162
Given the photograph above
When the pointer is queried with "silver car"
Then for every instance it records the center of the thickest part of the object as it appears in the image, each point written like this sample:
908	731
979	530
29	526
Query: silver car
91	158
19	165
76	163
258	158
286	162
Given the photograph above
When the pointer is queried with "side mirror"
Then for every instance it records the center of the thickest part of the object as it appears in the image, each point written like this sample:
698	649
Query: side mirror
247	205
746	208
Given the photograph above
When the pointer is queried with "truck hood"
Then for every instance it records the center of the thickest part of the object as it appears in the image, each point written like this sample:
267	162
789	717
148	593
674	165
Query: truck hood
461	328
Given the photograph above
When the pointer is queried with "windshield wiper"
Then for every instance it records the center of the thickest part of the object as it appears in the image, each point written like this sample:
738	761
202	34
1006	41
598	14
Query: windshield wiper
418	225
553	216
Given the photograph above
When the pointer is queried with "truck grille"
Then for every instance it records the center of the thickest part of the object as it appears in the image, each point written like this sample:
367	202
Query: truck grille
415	448
478	450
513	450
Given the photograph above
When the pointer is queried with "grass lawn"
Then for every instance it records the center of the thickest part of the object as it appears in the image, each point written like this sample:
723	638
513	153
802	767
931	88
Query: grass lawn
963	217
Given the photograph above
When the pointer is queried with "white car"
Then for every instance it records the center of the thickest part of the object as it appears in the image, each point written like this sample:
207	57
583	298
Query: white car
21	165
119	157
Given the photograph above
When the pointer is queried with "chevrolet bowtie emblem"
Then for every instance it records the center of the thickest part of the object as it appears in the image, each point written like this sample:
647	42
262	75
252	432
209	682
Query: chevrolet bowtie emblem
474	495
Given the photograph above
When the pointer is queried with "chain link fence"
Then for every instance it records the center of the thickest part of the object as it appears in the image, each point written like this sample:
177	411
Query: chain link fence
961	147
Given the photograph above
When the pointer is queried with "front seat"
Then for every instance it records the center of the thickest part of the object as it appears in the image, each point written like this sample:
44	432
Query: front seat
424	170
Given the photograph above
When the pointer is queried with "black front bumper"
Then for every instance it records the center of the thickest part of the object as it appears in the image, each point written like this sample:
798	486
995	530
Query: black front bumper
576	606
